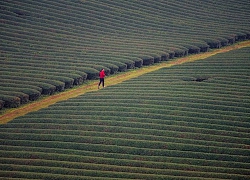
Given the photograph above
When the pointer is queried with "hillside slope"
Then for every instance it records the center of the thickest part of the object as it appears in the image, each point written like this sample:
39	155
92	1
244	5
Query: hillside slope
48	46
189	121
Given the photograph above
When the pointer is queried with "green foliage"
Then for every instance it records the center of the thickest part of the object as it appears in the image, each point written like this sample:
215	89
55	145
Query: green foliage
148	60
10	101
163	125
32	93
1	104
185	122
77	39
24	98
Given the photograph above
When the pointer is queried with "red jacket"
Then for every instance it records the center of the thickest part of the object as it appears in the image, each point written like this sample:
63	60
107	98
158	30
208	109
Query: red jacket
102	74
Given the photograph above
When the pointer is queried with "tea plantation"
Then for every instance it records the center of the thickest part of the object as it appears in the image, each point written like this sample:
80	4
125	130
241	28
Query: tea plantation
189	121
49	46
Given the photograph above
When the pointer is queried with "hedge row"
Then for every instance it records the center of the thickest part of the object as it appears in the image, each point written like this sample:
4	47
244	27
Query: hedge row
123	142
126	150
92	130
165	126
174	123
80	40
75	155
205	112
60	160
132	171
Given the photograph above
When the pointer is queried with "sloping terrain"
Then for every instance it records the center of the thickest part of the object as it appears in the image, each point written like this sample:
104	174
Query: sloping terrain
49	46
10	114
189	121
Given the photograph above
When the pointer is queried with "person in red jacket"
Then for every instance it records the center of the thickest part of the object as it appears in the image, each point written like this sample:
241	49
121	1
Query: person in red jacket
101	75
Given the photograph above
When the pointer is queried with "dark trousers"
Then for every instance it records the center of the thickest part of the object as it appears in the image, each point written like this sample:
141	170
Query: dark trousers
101	82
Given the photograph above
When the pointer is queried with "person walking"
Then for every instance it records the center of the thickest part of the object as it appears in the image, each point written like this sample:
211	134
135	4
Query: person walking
101	75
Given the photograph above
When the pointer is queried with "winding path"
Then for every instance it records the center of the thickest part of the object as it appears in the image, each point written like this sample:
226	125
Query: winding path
111	80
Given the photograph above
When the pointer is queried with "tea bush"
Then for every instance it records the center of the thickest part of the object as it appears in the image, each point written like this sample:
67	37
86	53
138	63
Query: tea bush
80	38
189	121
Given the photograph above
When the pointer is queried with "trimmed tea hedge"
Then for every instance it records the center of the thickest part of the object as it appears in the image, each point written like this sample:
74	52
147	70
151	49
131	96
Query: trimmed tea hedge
67	40
10	101
189	121
1	104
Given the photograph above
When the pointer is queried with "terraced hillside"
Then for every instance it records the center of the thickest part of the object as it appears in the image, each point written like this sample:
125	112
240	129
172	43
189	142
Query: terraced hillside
48	46
189	121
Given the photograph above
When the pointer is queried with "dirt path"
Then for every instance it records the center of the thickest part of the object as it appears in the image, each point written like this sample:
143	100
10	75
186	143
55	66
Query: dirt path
111	80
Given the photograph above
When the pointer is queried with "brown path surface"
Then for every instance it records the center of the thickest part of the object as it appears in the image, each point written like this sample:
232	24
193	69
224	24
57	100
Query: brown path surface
111	80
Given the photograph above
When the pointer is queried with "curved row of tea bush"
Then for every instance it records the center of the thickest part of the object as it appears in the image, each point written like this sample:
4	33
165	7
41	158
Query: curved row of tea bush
162	125
74	40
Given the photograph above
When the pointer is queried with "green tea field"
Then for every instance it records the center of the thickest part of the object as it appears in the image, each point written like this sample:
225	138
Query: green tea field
49	46
190	121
